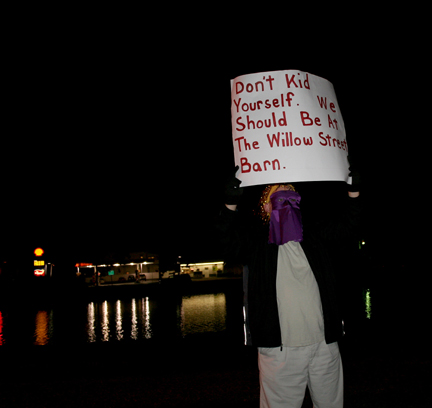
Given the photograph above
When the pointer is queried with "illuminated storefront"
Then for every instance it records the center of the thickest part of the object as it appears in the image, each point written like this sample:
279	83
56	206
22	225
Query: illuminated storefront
203	269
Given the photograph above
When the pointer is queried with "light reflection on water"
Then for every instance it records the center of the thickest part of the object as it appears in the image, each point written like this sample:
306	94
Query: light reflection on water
133	319
1	329
203	313
134	329
104	322
145	318
91	322
43	327
139	319
368	303
119	328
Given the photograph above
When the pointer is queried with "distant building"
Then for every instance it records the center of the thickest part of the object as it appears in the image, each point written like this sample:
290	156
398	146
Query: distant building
203	269
140	266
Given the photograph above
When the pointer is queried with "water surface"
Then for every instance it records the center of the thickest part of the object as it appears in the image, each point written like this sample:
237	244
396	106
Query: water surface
121	320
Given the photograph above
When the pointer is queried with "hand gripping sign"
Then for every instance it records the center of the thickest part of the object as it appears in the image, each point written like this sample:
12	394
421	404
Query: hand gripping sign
287	127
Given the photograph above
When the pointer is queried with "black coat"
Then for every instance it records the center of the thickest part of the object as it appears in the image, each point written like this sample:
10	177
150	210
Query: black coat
247	242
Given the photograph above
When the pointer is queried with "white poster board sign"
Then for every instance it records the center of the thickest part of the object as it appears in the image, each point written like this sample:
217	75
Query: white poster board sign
287	127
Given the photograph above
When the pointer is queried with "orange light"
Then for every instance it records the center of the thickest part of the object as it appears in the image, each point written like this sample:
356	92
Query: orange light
38	251
39	272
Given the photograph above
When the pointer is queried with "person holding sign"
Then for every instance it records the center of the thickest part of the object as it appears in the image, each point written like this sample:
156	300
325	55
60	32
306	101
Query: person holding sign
291	308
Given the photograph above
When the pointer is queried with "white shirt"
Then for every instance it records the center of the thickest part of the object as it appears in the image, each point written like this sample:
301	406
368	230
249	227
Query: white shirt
299	301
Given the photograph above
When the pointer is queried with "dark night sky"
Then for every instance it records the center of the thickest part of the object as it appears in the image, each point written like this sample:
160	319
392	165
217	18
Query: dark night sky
119	141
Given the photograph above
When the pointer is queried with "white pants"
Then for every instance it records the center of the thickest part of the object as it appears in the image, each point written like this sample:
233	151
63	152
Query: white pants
284	375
